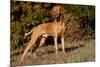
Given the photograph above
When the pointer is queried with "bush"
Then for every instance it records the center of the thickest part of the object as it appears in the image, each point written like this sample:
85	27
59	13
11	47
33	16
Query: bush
79	20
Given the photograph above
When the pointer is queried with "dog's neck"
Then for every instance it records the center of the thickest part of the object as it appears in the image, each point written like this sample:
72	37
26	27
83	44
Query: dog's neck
58	20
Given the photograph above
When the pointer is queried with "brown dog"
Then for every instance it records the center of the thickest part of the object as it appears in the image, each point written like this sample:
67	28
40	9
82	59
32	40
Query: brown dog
53	29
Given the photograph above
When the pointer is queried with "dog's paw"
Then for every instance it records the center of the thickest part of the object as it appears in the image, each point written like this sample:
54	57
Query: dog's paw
63	51
56	52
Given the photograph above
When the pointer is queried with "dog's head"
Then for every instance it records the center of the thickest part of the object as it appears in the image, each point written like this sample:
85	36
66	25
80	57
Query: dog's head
57	11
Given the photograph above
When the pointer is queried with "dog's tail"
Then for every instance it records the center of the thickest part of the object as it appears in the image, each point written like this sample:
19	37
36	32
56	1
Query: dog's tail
26	34
35	36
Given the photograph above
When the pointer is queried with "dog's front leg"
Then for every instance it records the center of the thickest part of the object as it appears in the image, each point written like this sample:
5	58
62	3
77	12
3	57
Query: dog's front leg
55	44
62	41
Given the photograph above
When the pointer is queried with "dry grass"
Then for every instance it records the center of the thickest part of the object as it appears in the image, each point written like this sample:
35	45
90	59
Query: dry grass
83	51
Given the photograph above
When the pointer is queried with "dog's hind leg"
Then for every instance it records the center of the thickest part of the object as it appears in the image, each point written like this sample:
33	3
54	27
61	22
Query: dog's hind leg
42	42
27	48
33	40
43	39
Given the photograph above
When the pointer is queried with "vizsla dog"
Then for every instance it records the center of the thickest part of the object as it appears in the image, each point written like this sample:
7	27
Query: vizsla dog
54	29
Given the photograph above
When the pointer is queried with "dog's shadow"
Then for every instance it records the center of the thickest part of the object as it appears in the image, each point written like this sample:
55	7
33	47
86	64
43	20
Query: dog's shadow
68	49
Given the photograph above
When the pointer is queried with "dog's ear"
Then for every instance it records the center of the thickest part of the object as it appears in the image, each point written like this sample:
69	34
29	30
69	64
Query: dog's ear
62	10
57	10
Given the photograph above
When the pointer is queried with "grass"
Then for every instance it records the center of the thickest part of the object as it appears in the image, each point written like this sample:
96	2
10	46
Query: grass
83	51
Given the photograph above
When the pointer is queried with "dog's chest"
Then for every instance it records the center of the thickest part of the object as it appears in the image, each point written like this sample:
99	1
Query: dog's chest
59	28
